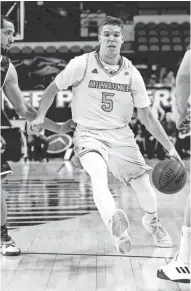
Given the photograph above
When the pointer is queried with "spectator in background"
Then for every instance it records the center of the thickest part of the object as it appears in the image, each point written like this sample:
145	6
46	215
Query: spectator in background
152	81
169	80
30	143
40	146
163	74
24	148
157	109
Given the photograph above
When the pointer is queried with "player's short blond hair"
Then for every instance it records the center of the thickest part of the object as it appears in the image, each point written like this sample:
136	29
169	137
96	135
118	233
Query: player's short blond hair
110	20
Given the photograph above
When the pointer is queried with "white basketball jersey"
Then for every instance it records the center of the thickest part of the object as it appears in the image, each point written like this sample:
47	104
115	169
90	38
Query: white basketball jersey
102	100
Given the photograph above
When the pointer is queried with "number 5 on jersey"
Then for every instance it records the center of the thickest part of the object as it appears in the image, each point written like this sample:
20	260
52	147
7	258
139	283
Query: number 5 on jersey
107	103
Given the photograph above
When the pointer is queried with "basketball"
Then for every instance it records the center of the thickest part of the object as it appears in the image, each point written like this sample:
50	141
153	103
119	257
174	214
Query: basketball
169	176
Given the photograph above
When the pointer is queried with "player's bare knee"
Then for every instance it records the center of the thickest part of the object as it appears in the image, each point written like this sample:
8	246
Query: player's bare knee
94	164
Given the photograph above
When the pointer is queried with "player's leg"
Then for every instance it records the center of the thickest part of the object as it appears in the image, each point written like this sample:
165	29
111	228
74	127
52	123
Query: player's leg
178	269
128	165
3	210
184	251
96	167
147	199
8	246
114	219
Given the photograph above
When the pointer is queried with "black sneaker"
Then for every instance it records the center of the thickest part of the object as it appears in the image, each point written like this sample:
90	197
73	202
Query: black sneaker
5	169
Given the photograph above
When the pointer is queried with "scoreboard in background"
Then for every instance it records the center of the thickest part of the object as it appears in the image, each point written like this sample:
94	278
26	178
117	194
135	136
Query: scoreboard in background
61	108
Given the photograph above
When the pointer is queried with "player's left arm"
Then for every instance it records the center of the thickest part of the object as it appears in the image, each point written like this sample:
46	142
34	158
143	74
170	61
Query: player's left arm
146	117
24	109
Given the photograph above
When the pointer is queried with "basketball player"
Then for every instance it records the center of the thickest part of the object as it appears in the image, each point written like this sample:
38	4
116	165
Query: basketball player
106	88
9	83
178	269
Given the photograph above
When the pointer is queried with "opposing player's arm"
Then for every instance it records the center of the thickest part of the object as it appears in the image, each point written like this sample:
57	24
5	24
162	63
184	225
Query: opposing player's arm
24	109
183	84
13	92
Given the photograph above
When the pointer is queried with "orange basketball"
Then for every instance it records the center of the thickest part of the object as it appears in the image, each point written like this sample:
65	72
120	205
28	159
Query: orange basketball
169	176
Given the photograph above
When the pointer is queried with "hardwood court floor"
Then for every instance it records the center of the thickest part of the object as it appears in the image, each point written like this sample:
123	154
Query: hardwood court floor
64	243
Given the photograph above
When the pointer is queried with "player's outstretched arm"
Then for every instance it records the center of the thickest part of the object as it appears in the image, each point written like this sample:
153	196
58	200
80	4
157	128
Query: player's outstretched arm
155	128
14	95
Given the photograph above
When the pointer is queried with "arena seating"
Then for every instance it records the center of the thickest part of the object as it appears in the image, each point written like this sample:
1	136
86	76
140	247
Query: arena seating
162	36
37	49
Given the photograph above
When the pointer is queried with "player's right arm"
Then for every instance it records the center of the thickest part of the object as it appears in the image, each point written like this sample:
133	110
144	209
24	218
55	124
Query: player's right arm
69	76
183	88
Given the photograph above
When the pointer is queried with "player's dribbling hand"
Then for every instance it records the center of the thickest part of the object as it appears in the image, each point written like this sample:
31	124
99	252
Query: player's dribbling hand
68	126
37	124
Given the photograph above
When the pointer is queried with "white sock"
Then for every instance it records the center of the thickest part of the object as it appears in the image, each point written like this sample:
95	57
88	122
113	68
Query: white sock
184	251
151	216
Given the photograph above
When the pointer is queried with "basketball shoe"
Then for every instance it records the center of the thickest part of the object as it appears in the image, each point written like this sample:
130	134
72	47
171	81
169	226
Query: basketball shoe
118	226
5	169
160	235
7	244
175	271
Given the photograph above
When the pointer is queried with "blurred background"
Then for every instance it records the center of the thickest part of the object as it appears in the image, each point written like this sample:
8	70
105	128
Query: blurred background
49	34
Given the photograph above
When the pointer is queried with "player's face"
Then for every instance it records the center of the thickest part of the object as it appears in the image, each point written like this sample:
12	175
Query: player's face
7	35
111	38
